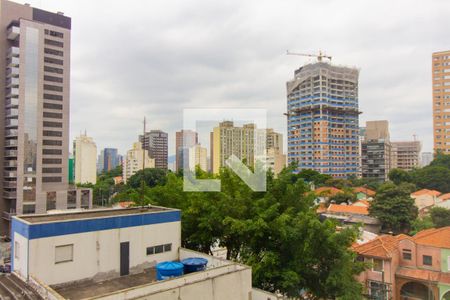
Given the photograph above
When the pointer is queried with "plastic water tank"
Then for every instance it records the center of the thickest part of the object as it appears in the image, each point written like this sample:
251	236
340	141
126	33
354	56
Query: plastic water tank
168	269
194	264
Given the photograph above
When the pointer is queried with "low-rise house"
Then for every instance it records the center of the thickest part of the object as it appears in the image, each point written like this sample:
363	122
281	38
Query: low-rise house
356	213
404	267
323	194
425	198
363	193
443	201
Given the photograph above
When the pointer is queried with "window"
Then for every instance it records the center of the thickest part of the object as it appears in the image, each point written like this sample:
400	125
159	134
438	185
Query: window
407	254
53	78
16	250
51	179
54	43
52	133
52	161
377	265
52	143
427	260
52	124
29	208
51	170
54	33
53	97
159	249
63	253
52	115
51	200
53	61
53	70
53	106
53	52
55	88
51	151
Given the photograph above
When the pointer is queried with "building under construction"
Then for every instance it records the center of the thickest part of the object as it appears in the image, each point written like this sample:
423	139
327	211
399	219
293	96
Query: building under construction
323	129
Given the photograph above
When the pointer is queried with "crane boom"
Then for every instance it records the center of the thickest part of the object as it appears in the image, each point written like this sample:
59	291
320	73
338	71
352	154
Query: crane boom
319	56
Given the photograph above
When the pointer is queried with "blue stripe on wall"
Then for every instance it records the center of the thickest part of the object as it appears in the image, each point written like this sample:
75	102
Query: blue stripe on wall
36	231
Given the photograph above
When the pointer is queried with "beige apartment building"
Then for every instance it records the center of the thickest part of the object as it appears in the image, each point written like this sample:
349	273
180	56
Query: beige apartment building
85	155
406	154
197	156
247	143
184	139
441	100
34	96
134	161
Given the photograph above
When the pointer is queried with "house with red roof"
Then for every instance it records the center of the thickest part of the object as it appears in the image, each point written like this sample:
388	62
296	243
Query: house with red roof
425	198
404	267
363	193
443	201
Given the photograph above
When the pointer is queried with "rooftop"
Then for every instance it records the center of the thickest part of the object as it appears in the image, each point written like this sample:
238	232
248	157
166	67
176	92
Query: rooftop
91	214
364	190
426	192
382	246
434	237
348	209
327	191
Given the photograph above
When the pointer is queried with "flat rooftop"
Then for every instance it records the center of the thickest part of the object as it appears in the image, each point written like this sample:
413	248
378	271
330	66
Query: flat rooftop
90	288
91	214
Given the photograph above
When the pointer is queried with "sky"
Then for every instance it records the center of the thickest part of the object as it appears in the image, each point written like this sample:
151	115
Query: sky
132	59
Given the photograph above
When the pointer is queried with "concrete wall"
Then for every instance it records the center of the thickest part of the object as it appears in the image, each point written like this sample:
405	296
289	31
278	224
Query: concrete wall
20	261
223	283
97	254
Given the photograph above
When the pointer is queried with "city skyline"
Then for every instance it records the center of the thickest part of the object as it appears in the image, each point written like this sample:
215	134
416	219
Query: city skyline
231	67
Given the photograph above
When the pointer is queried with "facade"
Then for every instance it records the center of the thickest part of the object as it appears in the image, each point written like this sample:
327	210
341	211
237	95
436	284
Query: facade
134	161
196	156
108	160
155	142
441	100
376	151
183	139
323	119
406	155
34	96
404	267
426	159
91	254
247	143
85	154
425	198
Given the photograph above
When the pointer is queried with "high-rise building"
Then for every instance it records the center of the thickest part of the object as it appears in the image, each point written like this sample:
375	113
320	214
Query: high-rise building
108	160
376	151
247	143
196	156
426	159
323	117
134	161
34	96
441	100
184	139
155	142
406	154
85	154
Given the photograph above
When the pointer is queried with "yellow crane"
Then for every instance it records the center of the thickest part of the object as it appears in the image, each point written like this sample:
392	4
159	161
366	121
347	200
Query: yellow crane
319	56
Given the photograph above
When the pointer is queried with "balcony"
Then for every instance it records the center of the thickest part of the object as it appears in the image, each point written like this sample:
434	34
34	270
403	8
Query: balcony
10	163
12	113
8	215
13	52
12	62
11	133
10	143
10	153
11	123
10	174
9	195
10	184
12	102
13	33
12	82
12	72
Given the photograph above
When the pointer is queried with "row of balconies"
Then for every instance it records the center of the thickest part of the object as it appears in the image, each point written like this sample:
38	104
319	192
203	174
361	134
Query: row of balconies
13	52
13	33
11	143
10	153
11	133
12	82
10	174
12	113
10	184
12	72
11	123
11	102
9	195
10	163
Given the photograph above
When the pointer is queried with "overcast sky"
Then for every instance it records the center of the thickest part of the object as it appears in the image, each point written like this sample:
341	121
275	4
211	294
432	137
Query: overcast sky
155	58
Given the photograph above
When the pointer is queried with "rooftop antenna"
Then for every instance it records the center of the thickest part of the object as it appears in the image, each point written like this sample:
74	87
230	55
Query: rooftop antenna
319	56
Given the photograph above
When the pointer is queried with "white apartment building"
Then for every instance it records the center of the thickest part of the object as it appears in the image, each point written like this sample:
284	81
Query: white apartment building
85	154
134	161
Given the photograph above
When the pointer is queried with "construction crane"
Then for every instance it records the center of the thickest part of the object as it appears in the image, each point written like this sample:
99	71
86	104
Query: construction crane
319	56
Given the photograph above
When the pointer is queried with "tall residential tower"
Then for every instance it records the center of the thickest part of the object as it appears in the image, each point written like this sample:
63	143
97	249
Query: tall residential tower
34	101
323	115
441	101
155	142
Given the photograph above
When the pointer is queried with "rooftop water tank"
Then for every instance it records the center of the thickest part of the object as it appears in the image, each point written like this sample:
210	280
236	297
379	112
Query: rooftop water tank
194	264
168	269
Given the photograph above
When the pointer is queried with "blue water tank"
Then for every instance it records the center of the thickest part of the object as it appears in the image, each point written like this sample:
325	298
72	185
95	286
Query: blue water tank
168	269
194	264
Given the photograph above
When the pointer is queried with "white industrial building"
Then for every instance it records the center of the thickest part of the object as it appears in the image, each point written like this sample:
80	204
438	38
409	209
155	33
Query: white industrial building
112	254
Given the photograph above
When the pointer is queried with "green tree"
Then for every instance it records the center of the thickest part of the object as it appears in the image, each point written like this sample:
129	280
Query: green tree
441	160
152	177
345	197
398	176
313	176
394	207
433	177
420	224
440	216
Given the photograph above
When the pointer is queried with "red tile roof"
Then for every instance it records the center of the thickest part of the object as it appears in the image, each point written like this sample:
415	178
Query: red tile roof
327	191
348	209
434	237
444	197
383	246
364	190
426	192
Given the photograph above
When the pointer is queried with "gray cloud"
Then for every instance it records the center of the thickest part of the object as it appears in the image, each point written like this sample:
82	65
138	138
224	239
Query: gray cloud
154	58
